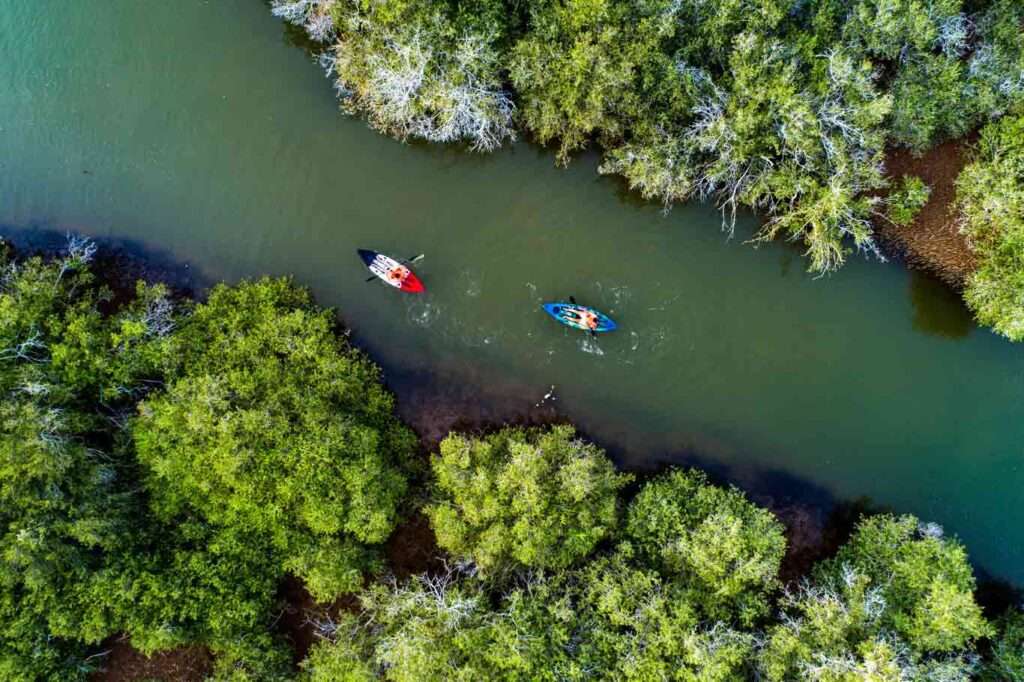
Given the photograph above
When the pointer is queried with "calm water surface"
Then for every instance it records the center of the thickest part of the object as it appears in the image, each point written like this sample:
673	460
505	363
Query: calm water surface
194	128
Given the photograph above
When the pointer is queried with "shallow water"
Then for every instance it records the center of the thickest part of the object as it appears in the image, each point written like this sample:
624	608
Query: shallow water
194	128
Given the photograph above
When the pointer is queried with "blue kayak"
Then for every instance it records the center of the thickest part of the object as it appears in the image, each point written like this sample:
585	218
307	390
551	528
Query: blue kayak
580	317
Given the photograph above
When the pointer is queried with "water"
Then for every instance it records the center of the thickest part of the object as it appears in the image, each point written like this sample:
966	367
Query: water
194	128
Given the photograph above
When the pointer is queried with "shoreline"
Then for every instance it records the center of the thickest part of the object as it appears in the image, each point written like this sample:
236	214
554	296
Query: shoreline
433	406
816	522
932	242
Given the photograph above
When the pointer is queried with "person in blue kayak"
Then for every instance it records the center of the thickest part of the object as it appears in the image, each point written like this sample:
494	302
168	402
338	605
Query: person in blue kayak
586	318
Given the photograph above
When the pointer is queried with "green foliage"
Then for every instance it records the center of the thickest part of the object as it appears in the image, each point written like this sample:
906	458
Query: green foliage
92	547
612	620
777	106
273	426
65	501
801	146
1006	662
928	102
418	71
953	73
187	584
585	66
923	578
995	82
530	498
607	620
712	541
907	199
890	29
990	197
58	509
708	30
835	632
431	629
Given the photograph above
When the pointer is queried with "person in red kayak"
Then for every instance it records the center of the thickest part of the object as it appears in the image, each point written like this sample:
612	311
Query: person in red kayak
398	274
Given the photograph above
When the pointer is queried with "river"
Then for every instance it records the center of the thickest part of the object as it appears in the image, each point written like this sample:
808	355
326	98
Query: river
194	129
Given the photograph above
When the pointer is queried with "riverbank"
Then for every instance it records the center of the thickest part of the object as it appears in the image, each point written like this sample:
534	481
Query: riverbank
812	531
933	241
733	353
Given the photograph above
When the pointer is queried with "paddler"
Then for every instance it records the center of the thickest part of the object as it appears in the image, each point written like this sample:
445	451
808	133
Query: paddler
398	274
587	318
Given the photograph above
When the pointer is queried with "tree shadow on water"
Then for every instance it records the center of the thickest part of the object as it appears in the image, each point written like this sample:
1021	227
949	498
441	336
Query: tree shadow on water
119	262
817	523
938	310
996	595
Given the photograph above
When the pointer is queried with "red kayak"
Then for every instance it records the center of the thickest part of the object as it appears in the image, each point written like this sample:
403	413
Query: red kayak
392	271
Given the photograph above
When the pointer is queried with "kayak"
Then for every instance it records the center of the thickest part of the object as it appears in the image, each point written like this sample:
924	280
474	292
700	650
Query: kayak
572	314
383	266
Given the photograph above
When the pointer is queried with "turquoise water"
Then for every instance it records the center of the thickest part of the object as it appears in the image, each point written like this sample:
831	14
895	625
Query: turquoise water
195	129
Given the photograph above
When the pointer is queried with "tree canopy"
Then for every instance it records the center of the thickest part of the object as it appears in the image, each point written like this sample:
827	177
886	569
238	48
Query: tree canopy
165	464
895	603
271	425
721	548
66	502
782	107
923	578
523	498
990	198
1007	660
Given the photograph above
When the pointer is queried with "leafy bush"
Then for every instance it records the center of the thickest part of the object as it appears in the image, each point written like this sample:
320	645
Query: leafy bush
995	69
612	620
66	501
415	71
836	631
579	70
530	498
780	107
896	29
271	425
430	629
924	579
907	200
990	197
61	514
1007	658
724	550
929	103
608	620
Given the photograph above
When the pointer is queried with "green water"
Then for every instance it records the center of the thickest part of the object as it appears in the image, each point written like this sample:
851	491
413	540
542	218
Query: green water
194	129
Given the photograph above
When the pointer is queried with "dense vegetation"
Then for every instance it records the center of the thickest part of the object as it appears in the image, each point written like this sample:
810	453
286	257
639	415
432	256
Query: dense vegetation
520	499
906	199
165	465
896	603
781	106
990	193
